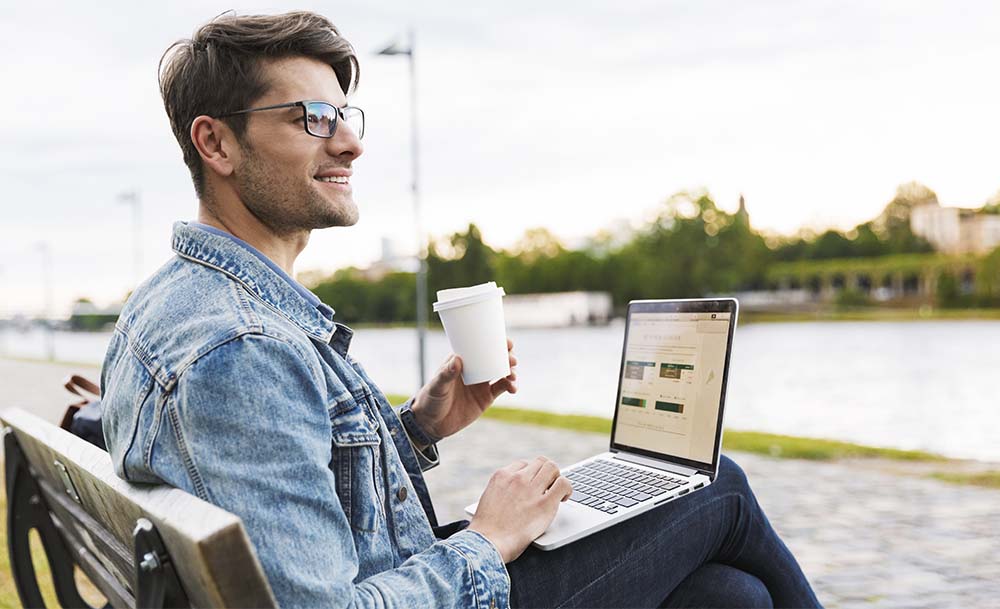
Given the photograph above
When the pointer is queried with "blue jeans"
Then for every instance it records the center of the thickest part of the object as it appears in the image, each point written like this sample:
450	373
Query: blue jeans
713	548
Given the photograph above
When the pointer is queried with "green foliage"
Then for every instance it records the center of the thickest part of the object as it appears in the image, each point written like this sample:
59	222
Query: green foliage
851	298
988	280
355	298
992	205
690	248
462	260
949	293
92	322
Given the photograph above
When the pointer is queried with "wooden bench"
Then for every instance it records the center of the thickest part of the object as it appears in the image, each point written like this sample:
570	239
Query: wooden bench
141	545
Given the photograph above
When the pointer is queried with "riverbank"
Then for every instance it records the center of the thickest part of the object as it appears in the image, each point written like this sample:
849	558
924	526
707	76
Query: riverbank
37	386
926	313
903	462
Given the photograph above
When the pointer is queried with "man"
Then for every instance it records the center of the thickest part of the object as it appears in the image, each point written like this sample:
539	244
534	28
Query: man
228	379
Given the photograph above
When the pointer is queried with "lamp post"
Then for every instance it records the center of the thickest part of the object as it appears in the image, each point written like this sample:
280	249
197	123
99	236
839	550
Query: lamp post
46	258
408	50
131	198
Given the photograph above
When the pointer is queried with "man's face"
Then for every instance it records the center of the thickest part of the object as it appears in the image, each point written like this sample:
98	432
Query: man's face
280	177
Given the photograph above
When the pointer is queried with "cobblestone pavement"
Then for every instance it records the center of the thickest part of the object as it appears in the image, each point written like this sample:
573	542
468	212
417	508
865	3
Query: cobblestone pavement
865	537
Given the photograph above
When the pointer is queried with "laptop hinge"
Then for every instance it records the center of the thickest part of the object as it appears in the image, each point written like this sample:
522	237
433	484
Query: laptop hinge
670	467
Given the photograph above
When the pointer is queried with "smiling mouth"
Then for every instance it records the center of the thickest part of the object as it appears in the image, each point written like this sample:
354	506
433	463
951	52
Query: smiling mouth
334	179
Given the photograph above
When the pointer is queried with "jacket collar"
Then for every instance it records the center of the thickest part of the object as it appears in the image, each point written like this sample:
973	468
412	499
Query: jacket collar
236	261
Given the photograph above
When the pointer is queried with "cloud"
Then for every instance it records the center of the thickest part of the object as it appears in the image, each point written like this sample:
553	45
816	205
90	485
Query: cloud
563	114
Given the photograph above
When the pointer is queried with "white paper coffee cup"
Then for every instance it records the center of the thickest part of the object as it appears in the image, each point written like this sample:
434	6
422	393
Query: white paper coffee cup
473	321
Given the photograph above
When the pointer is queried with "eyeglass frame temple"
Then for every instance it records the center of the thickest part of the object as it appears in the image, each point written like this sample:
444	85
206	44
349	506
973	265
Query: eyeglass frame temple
301	104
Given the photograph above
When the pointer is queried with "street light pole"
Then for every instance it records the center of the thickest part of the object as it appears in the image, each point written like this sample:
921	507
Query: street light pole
131	198
50	344
395	49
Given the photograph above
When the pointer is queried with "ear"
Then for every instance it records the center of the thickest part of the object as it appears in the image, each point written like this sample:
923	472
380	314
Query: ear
216	143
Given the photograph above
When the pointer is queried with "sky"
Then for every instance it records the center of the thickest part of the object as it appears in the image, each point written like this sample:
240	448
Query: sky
574	116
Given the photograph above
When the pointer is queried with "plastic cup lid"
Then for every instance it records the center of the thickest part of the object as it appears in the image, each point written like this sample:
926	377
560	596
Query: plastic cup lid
459	297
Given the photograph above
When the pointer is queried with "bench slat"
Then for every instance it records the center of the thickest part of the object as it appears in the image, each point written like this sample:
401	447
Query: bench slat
109	585
87	533
211	551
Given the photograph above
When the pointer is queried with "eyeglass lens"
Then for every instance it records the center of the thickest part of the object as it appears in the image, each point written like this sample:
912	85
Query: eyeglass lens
321	119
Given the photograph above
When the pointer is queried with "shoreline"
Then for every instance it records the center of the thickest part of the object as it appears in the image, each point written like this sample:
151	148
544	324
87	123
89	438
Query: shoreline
924	313
903	462
911	462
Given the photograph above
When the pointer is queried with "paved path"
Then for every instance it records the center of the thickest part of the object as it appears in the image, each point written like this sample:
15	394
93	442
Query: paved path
865	537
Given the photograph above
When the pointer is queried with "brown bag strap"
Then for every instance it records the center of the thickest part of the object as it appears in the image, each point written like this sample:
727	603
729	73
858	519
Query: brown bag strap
76	383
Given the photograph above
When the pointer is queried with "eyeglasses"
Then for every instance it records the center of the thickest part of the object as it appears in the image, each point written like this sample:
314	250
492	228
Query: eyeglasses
320	118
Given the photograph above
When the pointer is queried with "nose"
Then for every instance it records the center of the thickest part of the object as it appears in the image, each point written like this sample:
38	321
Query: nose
345	142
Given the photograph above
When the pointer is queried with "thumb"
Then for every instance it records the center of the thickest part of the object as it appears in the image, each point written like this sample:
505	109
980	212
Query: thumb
451	368
455	366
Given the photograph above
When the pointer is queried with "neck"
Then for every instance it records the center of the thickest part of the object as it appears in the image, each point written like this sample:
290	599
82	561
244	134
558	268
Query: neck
282	249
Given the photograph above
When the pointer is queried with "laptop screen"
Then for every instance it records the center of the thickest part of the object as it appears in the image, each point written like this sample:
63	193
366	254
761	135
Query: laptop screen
672	383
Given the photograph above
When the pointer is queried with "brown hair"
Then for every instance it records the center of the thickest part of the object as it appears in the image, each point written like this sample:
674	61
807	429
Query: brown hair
218	69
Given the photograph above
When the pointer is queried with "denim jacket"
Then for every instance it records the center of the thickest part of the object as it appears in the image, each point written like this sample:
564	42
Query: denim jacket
222	380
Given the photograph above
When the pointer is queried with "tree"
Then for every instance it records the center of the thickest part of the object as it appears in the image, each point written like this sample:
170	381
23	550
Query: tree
893	224
459	261
992	205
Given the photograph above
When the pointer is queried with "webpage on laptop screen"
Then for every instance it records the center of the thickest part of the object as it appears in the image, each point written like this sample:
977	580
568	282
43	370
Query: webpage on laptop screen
672	383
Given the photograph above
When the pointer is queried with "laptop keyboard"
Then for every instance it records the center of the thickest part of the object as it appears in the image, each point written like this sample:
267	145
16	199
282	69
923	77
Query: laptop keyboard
607	486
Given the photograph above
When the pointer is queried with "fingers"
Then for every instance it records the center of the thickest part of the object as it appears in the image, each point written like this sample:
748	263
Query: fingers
446	374
516	466
533	468
546	474
504	384
560	490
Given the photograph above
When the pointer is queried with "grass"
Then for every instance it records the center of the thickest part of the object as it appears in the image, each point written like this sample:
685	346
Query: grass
774	445
988	479
816	449
873	314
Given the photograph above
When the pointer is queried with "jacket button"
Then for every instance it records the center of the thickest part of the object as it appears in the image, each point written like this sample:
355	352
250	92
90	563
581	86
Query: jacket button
401	493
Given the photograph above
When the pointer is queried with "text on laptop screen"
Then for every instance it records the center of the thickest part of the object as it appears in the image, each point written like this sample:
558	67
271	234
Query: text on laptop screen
671	383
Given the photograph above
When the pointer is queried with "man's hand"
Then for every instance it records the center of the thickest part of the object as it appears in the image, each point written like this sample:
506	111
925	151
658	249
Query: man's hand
446	404
519	503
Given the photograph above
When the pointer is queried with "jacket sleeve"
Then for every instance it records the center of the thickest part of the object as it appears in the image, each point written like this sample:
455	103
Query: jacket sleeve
252	423
428	458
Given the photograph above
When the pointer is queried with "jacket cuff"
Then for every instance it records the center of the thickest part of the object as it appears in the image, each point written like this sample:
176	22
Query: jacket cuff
428	458
490	580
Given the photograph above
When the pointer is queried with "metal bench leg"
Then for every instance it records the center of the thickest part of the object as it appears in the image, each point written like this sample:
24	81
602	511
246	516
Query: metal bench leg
26	510
156	582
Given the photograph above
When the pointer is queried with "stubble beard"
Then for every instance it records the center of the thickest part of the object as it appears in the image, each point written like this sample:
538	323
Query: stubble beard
284	203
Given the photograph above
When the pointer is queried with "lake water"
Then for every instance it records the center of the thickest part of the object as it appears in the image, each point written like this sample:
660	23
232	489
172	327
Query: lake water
930	385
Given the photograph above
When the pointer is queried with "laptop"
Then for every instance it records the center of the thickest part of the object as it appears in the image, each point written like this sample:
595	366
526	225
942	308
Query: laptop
667	430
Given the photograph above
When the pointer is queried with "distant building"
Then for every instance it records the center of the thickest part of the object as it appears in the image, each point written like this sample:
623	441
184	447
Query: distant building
390	262
558	309
954	230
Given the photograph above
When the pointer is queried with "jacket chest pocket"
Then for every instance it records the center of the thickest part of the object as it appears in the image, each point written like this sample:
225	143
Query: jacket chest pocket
357	465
